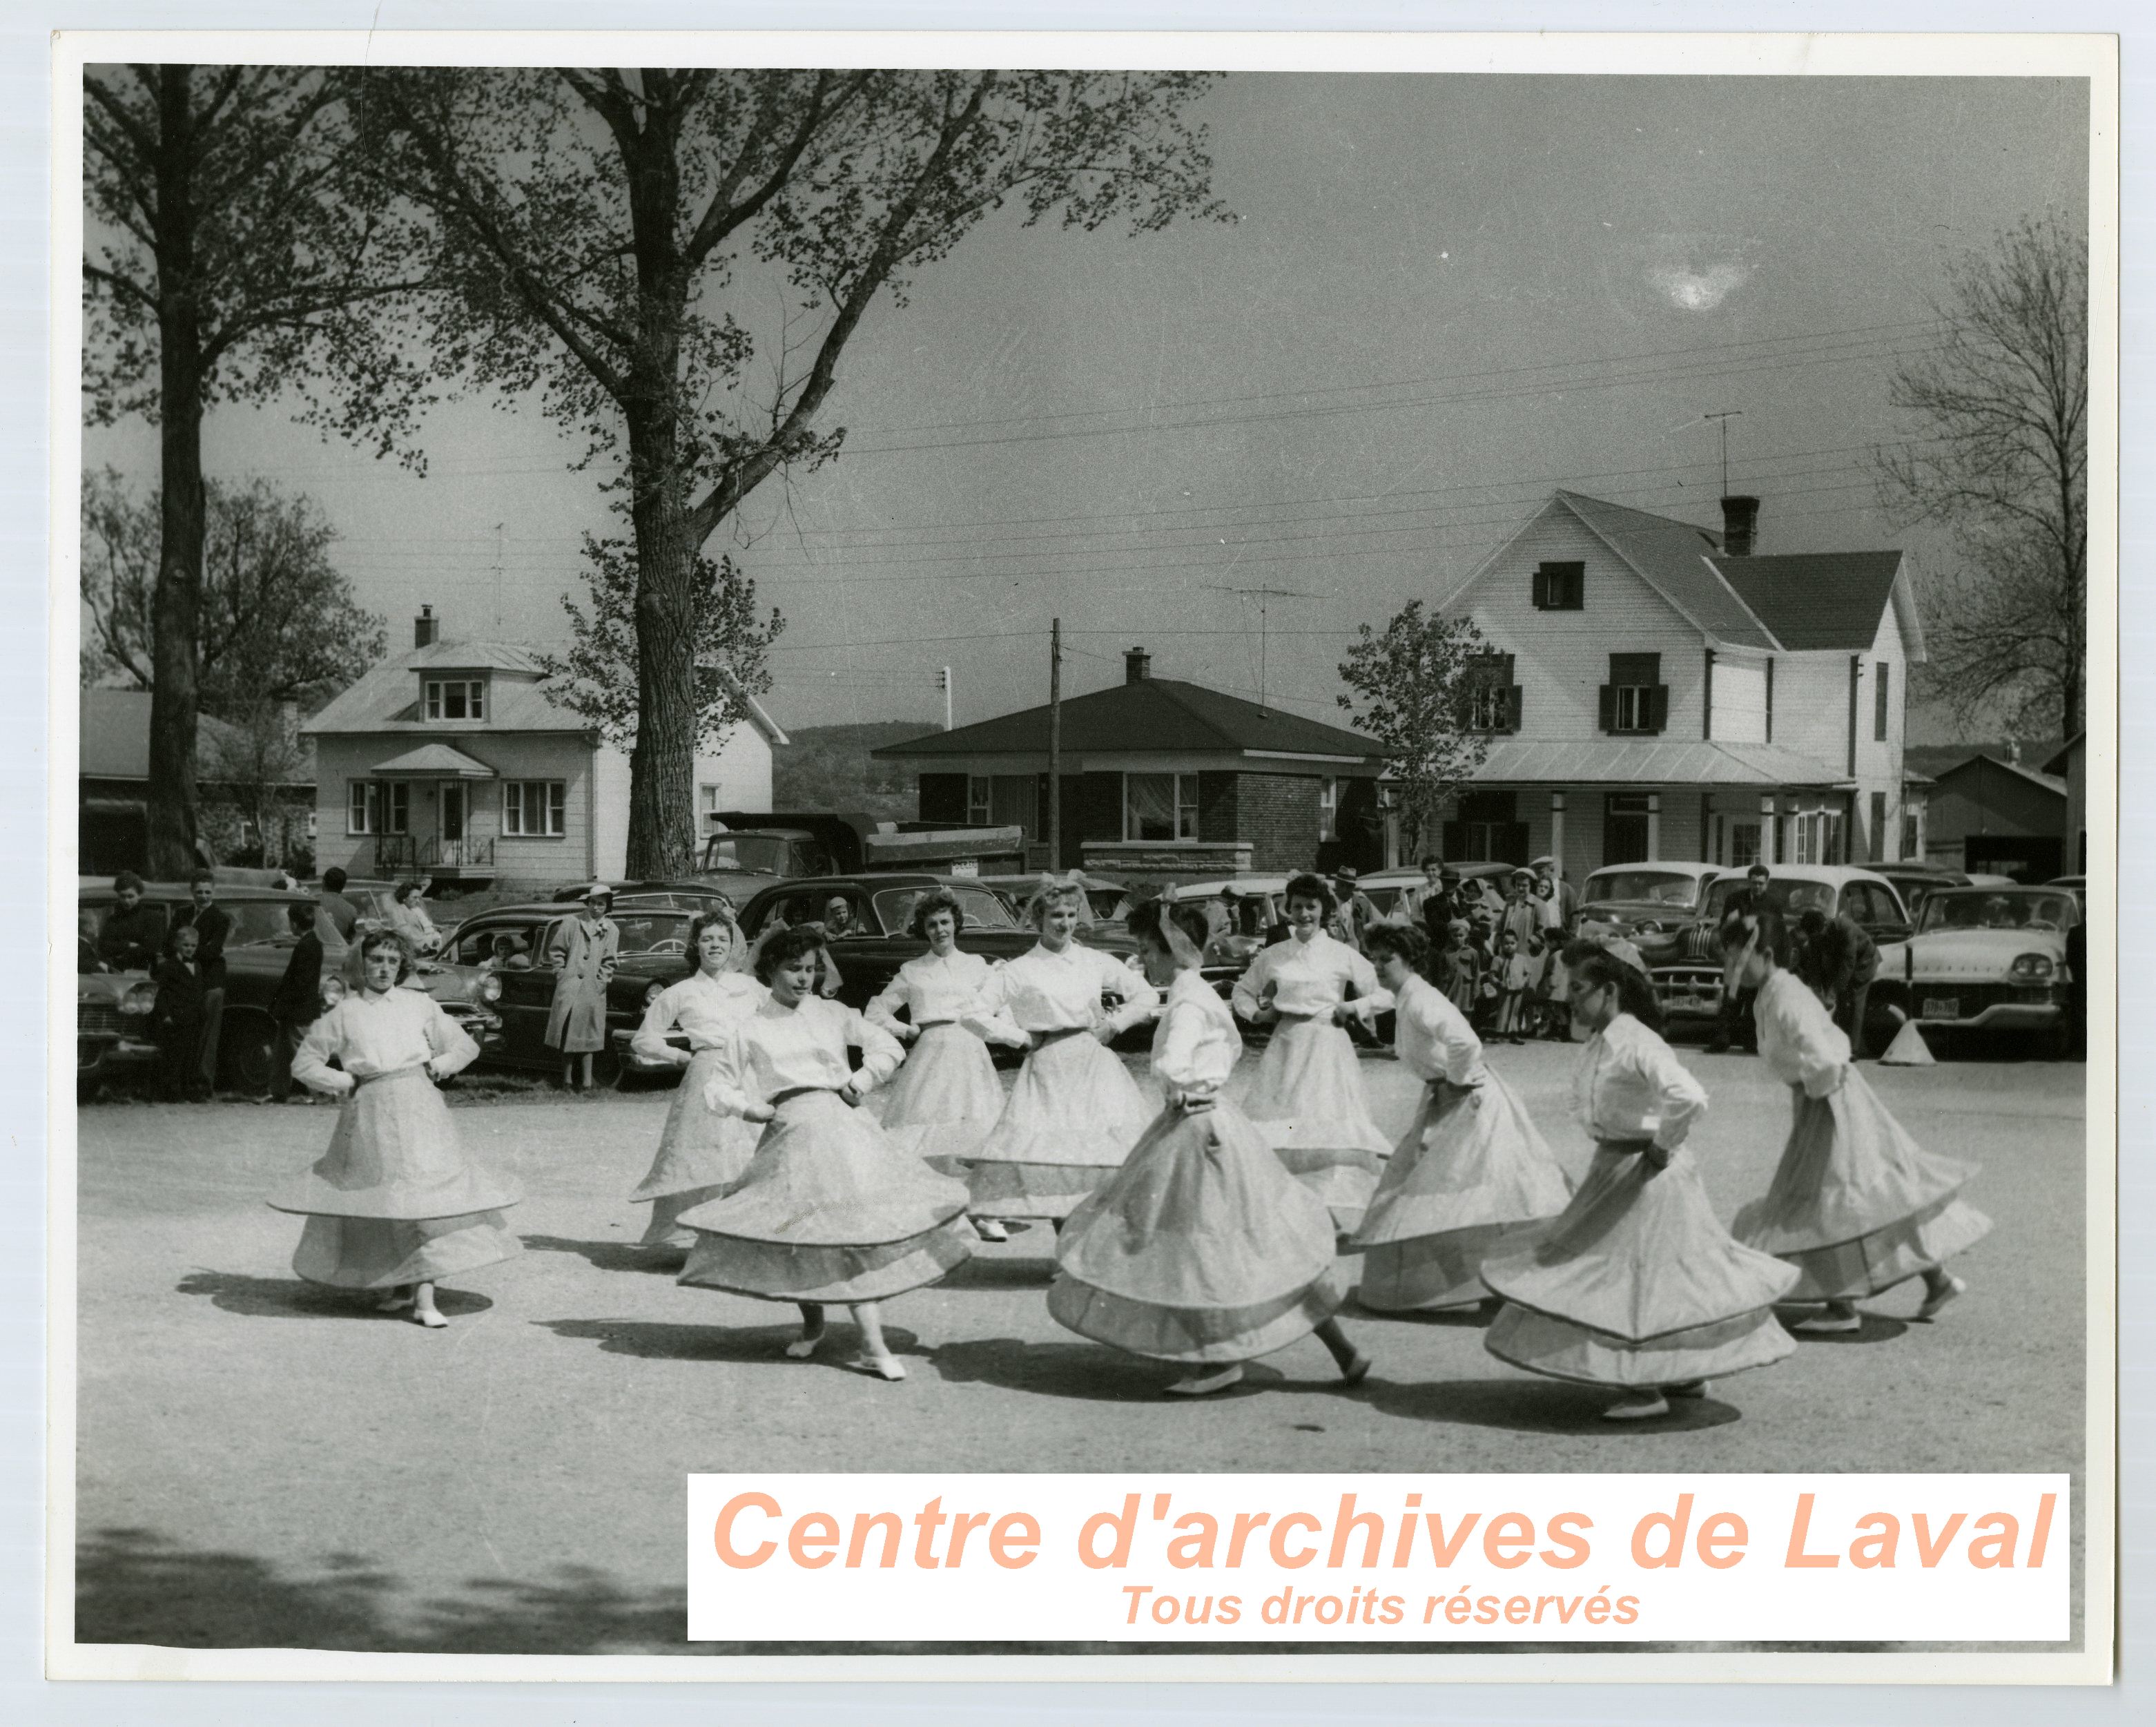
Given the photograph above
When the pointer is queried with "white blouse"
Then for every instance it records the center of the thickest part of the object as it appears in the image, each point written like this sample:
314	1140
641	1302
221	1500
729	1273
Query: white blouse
1196	1045
374	1034
932	988
1433	1039
1630	1085
1041	991
1313	978
783	1049
1798	1037
706	1008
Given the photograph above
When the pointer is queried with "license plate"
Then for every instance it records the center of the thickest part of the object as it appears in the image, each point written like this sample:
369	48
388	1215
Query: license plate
1942	1007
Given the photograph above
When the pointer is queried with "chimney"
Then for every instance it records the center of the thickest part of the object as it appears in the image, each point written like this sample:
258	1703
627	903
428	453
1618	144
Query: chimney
1138	666
426	628
2013	751
1740	523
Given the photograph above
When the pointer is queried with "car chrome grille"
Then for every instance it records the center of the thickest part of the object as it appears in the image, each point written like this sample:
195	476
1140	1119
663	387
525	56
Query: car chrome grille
97	1018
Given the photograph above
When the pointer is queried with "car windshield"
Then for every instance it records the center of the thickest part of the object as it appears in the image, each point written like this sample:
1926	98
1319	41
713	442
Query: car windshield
759	854
255	924
1660	887
653	933
1787	898
1994	908
983	909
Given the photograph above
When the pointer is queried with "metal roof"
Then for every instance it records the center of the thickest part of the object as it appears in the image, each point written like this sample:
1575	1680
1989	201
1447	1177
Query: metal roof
1651	761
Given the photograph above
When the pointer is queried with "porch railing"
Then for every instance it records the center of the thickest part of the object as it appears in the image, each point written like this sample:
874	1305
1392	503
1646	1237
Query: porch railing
409	851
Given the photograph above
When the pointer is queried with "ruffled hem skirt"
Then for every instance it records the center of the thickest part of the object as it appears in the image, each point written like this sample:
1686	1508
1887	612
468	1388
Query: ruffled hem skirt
1070	1120
1638	1255
382	1252
1200	1248
1561	1350
1306	1099
832	1209
1855	1204
1470	1169
948	1086
703	1152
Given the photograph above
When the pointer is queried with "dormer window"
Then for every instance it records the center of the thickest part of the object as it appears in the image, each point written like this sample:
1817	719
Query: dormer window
456	698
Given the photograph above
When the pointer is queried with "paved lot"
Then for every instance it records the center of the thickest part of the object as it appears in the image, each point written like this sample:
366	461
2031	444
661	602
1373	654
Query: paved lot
263	1463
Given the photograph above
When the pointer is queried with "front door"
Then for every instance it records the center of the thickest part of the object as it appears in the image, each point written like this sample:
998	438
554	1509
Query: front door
453	821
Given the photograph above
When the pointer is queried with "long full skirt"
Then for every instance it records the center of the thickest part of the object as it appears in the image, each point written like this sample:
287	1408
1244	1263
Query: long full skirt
394	1199
1306	1099
1636	1283
1070	1120
702	1153
1855	1204
832	1209
1471	1168
1200	1248
947	1087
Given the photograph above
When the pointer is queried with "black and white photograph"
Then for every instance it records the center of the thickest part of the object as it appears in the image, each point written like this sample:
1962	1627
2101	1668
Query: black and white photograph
1298	761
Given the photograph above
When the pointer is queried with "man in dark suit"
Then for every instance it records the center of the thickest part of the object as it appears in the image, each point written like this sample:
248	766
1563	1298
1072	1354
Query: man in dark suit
134	932
1734	1023
179	1021
298	1001
212	923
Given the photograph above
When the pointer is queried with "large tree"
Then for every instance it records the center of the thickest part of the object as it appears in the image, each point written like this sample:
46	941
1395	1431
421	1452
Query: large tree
225	244
274	620
2000	458
598	225
1416	685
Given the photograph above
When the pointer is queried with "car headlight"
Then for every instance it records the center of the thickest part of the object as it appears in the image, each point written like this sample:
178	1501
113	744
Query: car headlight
489	987
141	999
2033	967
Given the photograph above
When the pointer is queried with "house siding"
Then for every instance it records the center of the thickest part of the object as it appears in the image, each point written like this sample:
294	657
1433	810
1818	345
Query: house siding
1740	700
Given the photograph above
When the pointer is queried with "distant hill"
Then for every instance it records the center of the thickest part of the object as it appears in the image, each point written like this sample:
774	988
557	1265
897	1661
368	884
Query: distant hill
829	768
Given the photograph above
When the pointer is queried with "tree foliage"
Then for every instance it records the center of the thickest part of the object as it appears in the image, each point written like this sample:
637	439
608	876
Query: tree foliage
599	228
596	678
275	621
2001	460
1412	684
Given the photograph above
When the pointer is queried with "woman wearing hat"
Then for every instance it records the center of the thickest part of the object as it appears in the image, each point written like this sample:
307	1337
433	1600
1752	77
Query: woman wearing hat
1074	1114
702	1151
1307	1095
584	954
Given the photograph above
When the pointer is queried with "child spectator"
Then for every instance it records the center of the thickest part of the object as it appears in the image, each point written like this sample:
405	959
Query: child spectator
1552	1008
1511	976
179	1015
1458	974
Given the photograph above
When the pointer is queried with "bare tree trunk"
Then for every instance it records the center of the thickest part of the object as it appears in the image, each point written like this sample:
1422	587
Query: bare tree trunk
177	605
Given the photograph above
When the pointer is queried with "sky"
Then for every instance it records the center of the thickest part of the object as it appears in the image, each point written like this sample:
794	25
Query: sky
1441	297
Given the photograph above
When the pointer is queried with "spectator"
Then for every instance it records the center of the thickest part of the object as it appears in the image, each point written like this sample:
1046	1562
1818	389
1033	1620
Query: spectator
408	917
1458	972
1552	999
1413	900
1521	918
133	931
1512	981
1441	908
1549	909
342	915
1733	1024
179	1021
297	1002
212	923
1354	911
583	953
85	942
1548	869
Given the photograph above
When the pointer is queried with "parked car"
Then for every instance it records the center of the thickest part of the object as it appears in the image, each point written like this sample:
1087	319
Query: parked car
679	893
115	1010
1107	901
1650	905
1384	887
869	955
1916	882
1983	959
1689	983
2077	886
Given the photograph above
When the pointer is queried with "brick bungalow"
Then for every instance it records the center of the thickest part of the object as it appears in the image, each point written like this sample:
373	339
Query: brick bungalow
1161	780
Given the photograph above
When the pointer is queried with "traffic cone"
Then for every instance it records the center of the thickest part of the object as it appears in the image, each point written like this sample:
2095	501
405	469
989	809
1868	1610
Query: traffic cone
1908	1048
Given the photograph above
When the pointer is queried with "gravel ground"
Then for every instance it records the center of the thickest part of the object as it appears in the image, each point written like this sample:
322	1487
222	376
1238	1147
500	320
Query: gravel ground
261	1463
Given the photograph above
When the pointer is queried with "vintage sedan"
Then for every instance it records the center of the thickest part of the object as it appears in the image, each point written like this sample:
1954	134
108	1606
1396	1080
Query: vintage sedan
1688	983
115	1010
1648	904
1983	959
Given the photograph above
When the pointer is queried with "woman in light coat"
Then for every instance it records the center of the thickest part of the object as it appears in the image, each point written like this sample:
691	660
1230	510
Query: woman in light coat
583	953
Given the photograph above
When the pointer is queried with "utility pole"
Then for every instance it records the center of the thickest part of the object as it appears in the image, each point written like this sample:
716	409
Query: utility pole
1723	418
1056	744
944	679
1263	596
500	530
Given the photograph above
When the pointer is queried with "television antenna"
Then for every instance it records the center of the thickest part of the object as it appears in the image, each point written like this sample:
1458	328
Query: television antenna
1723	418
1264	597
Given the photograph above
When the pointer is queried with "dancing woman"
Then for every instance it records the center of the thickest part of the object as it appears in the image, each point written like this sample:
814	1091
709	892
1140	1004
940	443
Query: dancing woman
393	1204
702	1151
1074	1114
1472	1165
831	1209
1306	1095
1636	1285
947	1085
1201	1249
1855	1204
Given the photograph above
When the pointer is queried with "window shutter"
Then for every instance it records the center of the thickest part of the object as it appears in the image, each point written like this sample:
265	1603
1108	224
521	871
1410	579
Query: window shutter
1513	716
1453	840
1542	590
1608	694
1658	708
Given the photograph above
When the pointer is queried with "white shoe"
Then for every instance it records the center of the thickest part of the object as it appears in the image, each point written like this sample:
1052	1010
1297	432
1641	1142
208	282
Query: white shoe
1200	1385
1940	1296
988	1230
887	1367
802	1348
1637	1407
1826	1324
429	1319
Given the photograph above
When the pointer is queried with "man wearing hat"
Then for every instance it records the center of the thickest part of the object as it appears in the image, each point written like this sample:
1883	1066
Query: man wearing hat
1354	911
1565	894
1734	1022
1443	904
583	953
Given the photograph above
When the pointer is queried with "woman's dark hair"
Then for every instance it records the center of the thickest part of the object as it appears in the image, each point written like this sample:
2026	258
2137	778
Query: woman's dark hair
334	879
1307	887
1738	922
197	878
387	938
783	949
1403	940
1823	956
124	880
939	899
1188	916
1635	991
712	919
408	891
